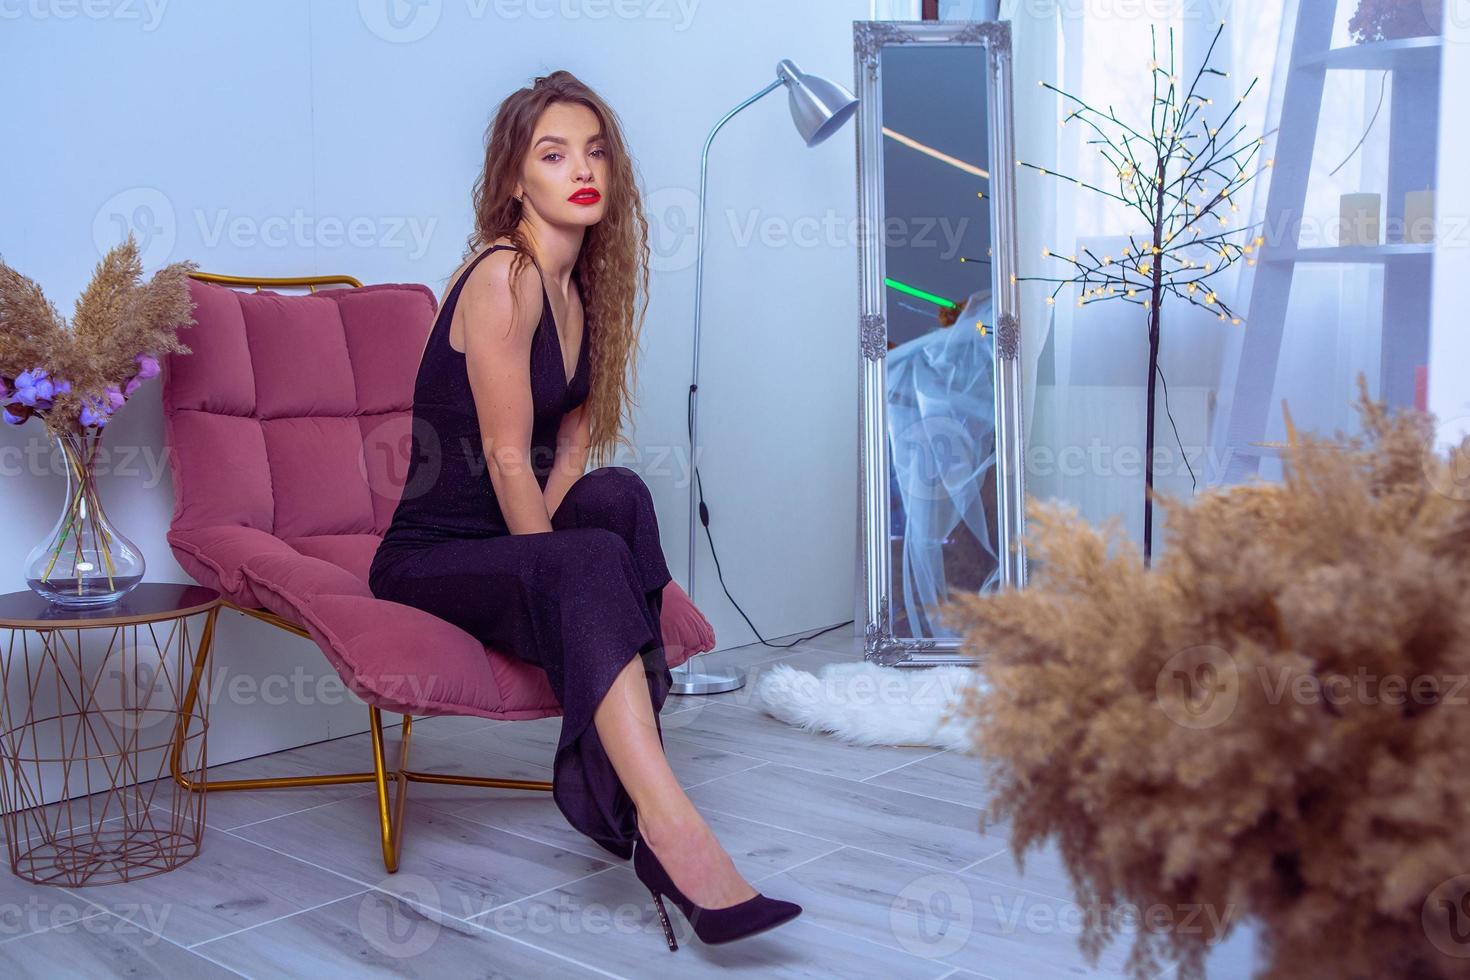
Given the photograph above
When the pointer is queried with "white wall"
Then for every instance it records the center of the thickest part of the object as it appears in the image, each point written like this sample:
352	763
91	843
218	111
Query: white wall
242	135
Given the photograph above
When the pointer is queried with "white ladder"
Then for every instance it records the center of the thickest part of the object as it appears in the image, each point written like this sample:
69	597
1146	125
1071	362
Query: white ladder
1413	151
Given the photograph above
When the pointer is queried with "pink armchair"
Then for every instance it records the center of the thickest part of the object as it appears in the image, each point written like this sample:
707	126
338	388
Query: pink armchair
288	434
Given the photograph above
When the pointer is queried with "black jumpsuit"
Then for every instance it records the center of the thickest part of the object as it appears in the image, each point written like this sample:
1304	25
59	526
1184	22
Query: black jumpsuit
580	601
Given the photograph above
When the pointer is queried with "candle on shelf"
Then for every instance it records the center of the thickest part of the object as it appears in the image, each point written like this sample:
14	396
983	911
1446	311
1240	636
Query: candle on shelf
1360	225
1419	217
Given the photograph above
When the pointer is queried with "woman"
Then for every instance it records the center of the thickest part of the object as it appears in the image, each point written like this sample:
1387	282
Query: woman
500	531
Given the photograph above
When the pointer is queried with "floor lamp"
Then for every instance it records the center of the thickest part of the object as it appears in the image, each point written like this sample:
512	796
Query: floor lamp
818	108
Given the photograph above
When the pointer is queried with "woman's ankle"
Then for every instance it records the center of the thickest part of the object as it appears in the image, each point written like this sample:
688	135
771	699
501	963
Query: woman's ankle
656	828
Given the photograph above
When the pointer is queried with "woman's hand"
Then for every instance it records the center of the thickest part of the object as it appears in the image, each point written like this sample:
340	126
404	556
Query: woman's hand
572	440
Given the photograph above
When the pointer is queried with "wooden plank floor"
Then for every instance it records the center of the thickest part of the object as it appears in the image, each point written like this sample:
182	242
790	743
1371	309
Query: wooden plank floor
882	847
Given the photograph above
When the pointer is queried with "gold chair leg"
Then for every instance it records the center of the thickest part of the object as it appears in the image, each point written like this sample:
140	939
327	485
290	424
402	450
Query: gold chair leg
390	820
390	826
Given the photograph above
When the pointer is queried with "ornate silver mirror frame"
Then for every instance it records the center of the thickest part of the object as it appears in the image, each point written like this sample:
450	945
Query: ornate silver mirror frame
870	39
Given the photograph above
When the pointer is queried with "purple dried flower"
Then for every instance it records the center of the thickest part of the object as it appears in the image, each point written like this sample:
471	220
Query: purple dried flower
147	366
134	383
33	386
93	416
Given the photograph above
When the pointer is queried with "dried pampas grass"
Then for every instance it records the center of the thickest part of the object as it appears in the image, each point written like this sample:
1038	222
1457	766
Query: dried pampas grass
119	329
1273	723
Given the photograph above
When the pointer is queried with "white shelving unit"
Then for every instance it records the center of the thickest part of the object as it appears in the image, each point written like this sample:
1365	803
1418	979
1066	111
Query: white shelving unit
1413	120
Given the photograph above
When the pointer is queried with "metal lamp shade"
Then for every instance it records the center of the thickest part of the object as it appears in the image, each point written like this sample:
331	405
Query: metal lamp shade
818	107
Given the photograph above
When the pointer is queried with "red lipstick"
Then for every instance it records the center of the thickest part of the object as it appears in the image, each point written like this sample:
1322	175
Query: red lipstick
587	195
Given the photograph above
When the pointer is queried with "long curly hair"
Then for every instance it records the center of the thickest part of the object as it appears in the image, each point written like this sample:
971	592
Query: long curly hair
611	271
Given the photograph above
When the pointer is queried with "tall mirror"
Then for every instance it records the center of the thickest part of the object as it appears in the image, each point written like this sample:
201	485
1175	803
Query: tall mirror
940	459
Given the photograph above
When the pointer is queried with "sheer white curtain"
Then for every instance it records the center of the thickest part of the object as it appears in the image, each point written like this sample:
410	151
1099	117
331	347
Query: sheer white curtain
1087	368
893	10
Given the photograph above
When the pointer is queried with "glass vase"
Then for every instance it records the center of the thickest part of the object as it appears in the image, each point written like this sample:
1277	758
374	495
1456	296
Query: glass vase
84	561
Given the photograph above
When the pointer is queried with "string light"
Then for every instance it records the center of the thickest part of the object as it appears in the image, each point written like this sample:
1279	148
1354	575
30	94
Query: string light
1182	197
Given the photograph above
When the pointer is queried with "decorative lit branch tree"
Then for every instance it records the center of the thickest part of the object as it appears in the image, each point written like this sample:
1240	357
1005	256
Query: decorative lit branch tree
1182	178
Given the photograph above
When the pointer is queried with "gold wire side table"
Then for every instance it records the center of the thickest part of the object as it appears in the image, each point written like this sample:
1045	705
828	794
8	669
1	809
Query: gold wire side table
99	729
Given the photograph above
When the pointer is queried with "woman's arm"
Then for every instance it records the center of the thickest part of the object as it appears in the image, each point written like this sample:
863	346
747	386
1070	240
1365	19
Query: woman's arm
572	440
498	355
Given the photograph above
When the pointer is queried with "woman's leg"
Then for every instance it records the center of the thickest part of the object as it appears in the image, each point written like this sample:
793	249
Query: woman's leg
667	819
616	498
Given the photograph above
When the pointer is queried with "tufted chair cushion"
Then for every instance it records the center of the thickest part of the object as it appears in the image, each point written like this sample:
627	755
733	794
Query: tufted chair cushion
287	434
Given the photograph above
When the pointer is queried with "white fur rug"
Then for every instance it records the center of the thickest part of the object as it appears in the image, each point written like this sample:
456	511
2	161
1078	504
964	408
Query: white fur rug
866	704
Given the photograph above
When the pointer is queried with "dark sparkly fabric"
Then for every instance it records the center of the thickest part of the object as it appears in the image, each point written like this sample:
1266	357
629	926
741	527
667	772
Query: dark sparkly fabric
580	601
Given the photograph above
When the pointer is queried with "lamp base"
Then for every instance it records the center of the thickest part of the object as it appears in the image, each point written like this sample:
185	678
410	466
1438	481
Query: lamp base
688	682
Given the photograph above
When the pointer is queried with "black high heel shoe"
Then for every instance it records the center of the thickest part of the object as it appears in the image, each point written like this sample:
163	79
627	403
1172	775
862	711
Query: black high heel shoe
712	926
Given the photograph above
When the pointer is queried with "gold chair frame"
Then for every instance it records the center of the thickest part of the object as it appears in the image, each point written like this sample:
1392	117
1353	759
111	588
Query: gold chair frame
390	813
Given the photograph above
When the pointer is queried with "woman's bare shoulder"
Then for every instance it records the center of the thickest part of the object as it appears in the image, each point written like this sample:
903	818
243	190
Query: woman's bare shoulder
494	292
